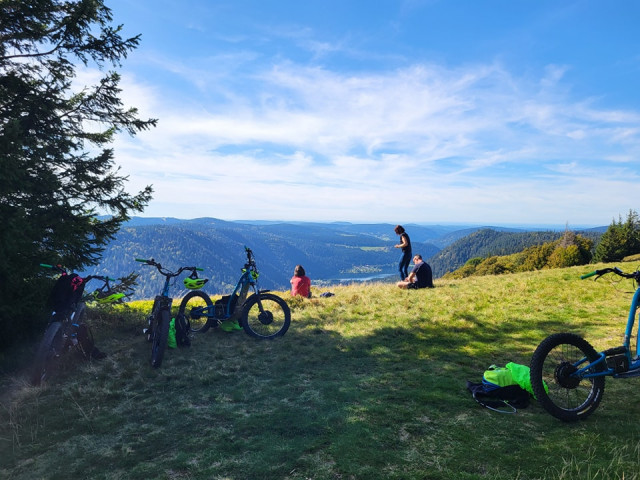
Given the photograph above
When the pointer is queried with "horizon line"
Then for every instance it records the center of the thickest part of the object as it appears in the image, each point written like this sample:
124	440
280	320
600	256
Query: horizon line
553	226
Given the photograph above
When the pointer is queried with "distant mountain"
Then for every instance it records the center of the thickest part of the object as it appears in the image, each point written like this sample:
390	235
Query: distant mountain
435	234
140	221
451	237
330	252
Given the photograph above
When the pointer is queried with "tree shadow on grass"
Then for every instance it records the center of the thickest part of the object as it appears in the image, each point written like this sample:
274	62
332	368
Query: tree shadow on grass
387	403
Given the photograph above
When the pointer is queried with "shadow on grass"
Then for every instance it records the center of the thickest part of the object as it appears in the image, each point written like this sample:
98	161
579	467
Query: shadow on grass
387	403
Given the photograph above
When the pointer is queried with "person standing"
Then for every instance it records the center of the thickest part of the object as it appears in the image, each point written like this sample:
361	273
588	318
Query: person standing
405	258
420	277
300	283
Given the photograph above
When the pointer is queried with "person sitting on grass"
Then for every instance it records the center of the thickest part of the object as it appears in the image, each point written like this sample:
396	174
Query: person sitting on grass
420	277
300	283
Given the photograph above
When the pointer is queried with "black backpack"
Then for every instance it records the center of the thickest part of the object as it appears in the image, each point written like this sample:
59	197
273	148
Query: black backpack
66	292
182	331
501	399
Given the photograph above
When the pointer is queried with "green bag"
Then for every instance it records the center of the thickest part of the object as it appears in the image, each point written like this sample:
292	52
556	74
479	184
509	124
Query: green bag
171	340
499	391
498	377
521	375
510	374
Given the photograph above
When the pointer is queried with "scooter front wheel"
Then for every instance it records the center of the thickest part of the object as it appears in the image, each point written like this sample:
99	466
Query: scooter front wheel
265	316
560	388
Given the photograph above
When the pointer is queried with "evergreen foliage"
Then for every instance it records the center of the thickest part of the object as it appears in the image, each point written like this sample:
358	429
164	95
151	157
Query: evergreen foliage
56	172
620	240
568	251
487	242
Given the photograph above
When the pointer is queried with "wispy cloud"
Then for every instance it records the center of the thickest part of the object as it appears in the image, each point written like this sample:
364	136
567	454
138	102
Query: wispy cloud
421	143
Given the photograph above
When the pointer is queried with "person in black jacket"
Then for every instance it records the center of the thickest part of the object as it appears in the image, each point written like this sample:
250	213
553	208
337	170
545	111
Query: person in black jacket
420	277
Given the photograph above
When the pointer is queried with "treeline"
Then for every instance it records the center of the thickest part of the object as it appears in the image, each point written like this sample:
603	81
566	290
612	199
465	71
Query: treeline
570	250
620	241
486	243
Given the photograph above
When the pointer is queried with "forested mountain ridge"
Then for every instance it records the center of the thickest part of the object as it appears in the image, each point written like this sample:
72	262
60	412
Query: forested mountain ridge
330	252
489	242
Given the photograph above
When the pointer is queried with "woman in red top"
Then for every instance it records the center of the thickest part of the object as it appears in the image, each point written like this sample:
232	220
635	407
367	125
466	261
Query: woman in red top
300	283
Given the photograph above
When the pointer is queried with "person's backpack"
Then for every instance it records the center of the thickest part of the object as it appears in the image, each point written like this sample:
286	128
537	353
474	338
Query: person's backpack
499	391
507	399
181	331
66	291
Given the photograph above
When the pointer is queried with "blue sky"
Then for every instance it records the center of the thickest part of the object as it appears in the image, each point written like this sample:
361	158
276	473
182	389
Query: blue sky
484	112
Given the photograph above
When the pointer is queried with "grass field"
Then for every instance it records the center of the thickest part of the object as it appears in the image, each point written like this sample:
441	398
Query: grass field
367	384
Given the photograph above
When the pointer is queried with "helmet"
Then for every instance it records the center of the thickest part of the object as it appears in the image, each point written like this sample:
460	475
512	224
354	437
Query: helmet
194	283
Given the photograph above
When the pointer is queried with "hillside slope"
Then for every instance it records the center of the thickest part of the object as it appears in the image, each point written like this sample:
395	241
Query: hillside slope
488	242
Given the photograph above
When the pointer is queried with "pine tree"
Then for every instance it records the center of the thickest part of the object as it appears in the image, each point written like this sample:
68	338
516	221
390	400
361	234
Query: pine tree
56	172
620	240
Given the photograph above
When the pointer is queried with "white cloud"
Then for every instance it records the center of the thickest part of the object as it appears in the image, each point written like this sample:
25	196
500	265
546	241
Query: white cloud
416	144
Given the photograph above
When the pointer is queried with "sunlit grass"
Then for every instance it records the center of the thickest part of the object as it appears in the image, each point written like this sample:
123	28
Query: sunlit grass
367	384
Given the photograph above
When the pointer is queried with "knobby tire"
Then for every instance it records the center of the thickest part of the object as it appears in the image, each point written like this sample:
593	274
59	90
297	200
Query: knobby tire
160	336
265	316
191	308
47	353
566	397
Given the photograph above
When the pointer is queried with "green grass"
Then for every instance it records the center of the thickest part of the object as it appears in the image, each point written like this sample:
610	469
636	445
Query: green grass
368	384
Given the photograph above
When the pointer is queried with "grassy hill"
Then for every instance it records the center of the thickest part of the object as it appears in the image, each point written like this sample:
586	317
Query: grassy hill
367	384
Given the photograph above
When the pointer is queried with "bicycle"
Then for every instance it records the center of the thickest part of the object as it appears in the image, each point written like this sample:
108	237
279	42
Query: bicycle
261	314
568	374
66	328
160	317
